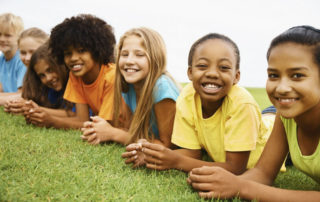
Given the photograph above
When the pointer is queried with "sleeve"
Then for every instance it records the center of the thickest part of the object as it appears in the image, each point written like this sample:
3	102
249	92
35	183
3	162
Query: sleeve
74	91
184	133
165	89
106	109
20	74
242	128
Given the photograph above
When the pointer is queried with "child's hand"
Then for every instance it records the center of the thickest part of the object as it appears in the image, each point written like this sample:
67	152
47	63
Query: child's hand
214	182
158	157
96	131
15	106
38	117
134	154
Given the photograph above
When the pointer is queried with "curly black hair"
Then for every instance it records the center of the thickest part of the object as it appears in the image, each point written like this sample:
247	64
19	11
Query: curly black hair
83	31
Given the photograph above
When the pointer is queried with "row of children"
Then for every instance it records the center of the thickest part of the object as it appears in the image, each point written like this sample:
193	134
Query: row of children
138	104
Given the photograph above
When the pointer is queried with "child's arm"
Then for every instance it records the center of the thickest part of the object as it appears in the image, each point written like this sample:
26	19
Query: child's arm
253	184
4	97
160	158
165	111
40	117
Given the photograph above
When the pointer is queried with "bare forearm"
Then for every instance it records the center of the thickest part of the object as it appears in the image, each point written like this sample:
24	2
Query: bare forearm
260	192
187	163
66	123
119	135
56	112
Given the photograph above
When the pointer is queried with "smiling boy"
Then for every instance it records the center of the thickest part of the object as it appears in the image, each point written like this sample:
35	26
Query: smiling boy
12	69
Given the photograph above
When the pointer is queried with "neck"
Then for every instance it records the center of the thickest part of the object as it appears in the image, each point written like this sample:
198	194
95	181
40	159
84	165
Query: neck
208	109
309	121
91	76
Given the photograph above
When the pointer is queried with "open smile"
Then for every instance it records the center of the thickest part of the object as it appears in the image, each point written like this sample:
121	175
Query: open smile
211	88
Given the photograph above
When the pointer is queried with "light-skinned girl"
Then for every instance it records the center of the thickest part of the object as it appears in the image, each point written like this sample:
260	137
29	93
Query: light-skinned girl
85	44
29	40
293	87
148	90
214	114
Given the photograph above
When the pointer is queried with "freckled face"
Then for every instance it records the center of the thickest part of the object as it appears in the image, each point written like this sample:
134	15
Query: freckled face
293	84
133	61
213	71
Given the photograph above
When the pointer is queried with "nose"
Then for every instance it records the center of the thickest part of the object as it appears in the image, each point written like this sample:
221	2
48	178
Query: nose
74	56
212	72
283	87
129	59
28	56
48	77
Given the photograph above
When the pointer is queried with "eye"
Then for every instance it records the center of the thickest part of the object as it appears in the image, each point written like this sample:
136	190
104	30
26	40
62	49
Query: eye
49	70
201	65
67	53
272	76
81	50
297	76
124	53
224	67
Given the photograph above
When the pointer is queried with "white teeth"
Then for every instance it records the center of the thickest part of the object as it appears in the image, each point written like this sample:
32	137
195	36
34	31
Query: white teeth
130	70
212	86
287	100
76	66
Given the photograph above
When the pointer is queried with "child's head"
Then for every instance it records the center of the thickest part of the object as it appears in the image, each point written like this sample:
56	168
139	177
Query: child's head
293	84
43	73
141	60
85	32
213	67
10	28
141	56
29	40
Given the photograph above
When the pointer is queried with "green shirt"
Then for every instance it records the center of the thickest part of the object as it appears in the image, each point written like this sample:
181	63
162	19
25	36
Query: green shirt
310	165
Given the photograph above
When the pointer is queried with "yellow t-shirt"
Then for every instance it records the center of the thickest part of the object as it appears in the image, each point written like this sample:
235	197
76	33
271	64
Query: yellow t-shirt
98	95
236	126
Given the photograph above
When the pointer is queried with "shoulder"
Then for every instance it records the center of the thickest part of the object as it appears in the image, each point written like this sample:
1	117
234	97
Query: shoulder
186	99
165	88
239	95
109	71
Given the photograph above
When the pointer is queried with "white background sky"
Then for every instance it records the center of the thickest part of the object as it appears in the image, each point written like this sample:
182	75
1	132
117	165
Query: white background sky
252	24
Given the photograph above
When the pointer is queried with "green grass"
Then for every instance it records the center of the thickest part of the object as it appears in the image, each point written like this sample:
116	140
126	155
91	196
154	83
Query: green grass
38	164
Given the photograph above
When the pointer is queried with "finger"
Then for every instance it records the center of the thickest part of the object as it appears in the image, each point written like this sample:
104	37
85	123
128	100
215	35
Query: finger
35	119
89	131
151	160
96	119
85	138
96	141
201	178
87	124
202	186
154	166
131	159
205	170
152	146
134	146
150	152
129	154
92	137
207	195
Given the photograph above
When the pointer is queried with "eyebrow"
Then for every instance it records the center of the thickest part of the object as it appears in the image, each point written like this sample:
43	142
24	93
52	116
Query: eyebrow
290	69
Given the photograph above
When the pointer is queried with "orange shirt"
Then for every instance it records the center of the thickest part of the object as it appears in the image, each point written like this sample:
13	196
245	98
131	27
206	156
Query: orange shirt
98	95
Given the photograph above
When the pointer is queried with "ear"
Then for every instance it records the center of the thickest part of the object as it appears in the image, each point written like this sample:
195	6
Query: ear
190	73
237	77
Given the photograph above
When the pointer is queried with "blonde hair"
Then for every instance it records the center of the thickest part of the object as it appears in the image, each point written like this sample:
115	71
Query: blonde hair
156	54
35	33
11	21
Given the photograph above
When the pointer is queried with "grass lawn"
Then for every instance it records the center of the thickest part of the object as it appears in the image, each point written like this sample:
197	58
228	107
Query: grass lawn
38	164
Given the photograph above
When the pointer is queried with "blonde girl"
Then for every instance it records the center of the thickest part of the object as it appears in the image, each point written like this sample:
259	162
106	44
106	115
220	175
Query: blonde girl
148	91
29	40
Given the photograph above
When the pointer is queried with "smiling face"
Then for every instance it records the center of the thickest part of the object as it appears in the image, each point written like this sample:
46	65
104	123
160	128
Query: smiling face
81	64
47	76
27	46
293	84
213	71
8	40
133	61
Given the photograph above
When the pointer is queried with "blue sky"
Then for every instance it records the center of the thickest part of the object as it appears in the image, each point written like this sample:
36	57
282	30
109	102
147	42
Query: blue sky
252	24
